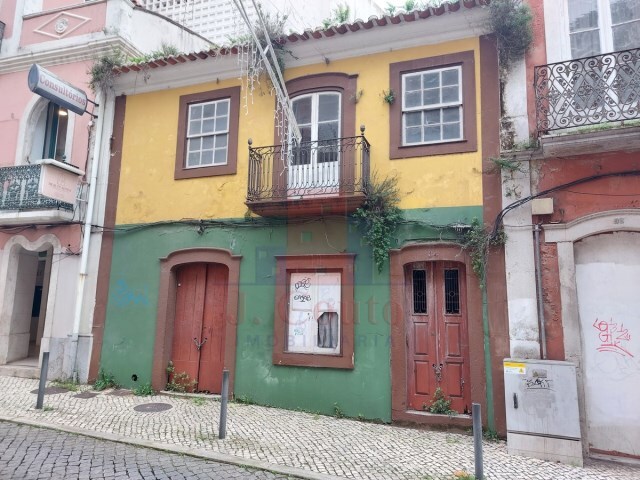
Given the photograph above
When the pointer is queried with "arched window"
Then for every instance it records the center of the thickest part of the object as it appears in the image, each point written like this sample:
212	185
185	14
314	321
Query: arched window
50	137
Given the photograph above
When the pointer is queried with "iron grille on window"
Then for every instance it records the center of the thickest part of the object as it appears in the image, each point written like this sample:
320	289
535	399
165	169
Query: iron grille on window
451	291
419	291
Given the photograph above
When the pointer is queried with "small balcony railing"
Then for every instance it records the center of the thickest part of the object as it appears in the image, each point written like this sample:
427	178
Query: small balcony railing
588	91
19	190
308	171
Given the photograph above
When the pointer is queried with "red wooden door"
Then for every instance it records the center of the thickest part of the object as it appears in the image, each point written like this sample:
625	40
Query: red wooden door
437	338
198	334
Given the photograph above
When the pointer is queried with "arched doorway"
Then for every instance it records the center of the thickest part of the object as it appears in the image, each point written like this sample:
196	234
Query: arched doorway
607	278
436	333
198	299
27	275
199	324
437	340
599	266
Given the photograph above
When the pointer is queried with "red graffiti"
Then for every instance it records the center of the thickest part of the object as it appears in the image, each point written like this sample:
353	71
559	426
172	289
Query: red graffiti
613	337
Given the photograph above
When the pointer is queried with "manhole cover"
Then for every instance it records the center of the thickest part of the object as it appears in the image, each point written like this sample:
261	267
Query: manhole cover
51	390
85	395
152	407
120	393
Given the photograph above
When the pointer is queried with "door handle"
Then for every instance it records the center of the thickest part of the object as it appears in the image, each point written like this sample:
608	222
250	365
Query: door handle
199	344
438	370
515	401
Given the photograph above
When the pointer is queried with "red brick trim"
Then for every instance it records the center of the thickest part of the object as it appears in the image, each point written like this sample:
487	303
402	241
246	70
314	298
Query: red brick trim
231	167
469	143
286	264
492	204
166	308
106	250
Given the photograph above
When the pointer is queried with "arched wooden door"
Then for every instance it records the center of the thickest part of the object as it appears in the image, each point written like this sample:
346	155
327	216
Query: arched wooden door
199	328
437	339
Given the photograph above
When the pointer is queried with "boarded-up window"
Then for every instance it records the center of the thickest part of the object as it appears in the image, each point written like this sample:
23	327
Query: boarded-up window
314	313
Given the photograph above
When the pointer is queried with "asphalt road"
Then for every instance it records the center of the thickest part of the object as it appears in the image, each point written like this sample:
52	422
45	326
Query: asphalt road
29	453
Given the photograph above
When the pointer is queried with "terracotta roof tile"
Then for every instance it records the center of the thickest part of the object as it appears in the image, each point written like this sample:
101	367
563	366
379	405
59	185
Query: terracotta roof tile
307	35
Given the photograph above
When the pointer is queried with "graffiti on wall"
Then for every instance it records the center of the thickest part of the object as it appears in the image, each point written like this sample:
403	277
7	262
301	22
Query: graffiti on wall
613	337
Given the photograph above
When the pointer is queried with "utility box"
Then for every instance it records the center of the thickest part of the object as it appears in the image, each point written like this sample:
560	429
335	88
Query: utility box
543	419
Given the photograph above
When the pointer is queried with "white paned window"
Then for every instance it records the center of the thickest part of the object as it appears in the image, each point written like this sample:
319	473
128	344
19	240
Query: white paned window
314	313
625	24
318	118
584	30
602	26
208	134
432	106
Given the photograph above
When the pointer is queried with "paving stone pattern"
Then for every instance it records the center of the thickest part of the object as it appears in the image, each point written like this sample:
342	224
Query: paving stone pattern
338	447
29	453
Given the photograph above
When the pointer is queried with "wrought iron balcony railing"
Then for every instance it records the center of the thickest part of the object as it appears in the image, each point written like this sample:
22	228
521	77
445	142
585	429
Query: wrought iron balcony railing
19	190
588	91
326	168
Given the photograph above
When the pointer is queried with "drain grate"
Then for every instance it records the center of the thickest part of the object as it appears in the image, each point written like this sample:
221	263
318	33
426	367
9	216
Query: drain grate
51	390
85	395
152	407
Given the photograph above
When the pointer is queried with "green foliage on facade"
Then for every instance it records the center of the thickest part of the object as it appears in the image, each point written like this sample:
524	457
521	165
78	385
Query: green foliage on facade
102	71
380	216
104	380
339	15
440	404
511	21
478	241
144	390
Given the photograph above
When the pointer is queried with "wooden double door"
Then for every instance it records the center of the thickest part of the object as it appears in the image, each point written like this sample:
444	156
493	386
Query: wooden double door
437	339
199	328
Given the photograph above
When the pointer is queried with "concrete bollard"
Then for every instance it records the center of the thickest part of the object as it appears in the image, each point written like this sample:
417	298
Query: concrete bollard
222	431
43	379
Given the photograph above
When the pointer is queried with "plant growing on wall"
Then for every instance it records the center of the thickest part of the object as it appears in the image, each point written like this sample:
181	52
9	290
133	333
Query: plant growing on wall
339	16
511	21
164	51
477	241
101	72
104	380
380	216
388	96
440	404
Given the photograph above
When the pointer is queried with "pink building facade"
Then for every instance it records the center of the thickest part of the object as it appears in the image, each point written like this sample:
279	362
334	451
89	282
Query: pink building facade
48	248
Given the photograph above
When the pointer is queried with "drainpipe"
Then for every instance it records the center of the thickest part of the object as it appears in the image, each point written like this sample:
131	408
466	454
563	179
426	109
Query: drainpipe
82	276
541	322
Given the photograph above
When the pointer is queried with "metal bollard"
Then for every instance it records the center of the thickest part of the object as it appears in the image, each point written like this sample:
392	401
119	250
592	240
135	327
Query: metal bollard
476	414
43	379
222	431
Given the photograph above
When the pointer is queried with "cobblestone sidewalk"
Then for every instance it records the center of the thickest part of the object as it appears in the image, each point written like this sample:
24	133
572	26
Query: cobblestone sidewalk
285	441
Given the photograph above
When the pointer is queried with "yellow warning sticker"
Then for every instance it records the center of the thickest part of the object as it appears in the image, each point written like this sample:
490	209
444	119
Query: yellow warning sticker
515	367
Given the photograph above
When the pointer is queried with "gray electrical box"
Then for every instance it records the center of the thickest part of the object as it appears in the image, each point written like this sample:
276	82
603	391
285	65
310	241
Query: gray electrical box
543	419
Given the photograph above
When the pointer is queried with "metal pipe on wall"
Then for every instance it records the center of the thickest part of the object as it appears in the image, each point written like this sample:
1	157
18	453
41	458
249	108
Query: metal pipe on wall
82	275
541	321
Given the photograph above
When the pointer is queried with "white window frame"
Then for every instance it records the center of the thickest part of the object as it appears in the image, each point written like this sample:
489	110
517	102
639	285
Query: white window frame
556	19
33	132
315	111
214	134
459	103
307	303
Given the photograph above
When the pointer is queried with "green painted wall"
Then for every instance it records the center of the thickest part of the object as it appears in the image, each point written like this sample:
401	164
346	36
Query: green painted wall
365	390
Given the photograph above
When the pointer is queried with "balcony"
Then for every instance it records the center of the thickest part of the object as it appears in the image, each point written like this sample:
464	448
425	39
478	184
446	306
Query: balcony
588	91
40	193
326	177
